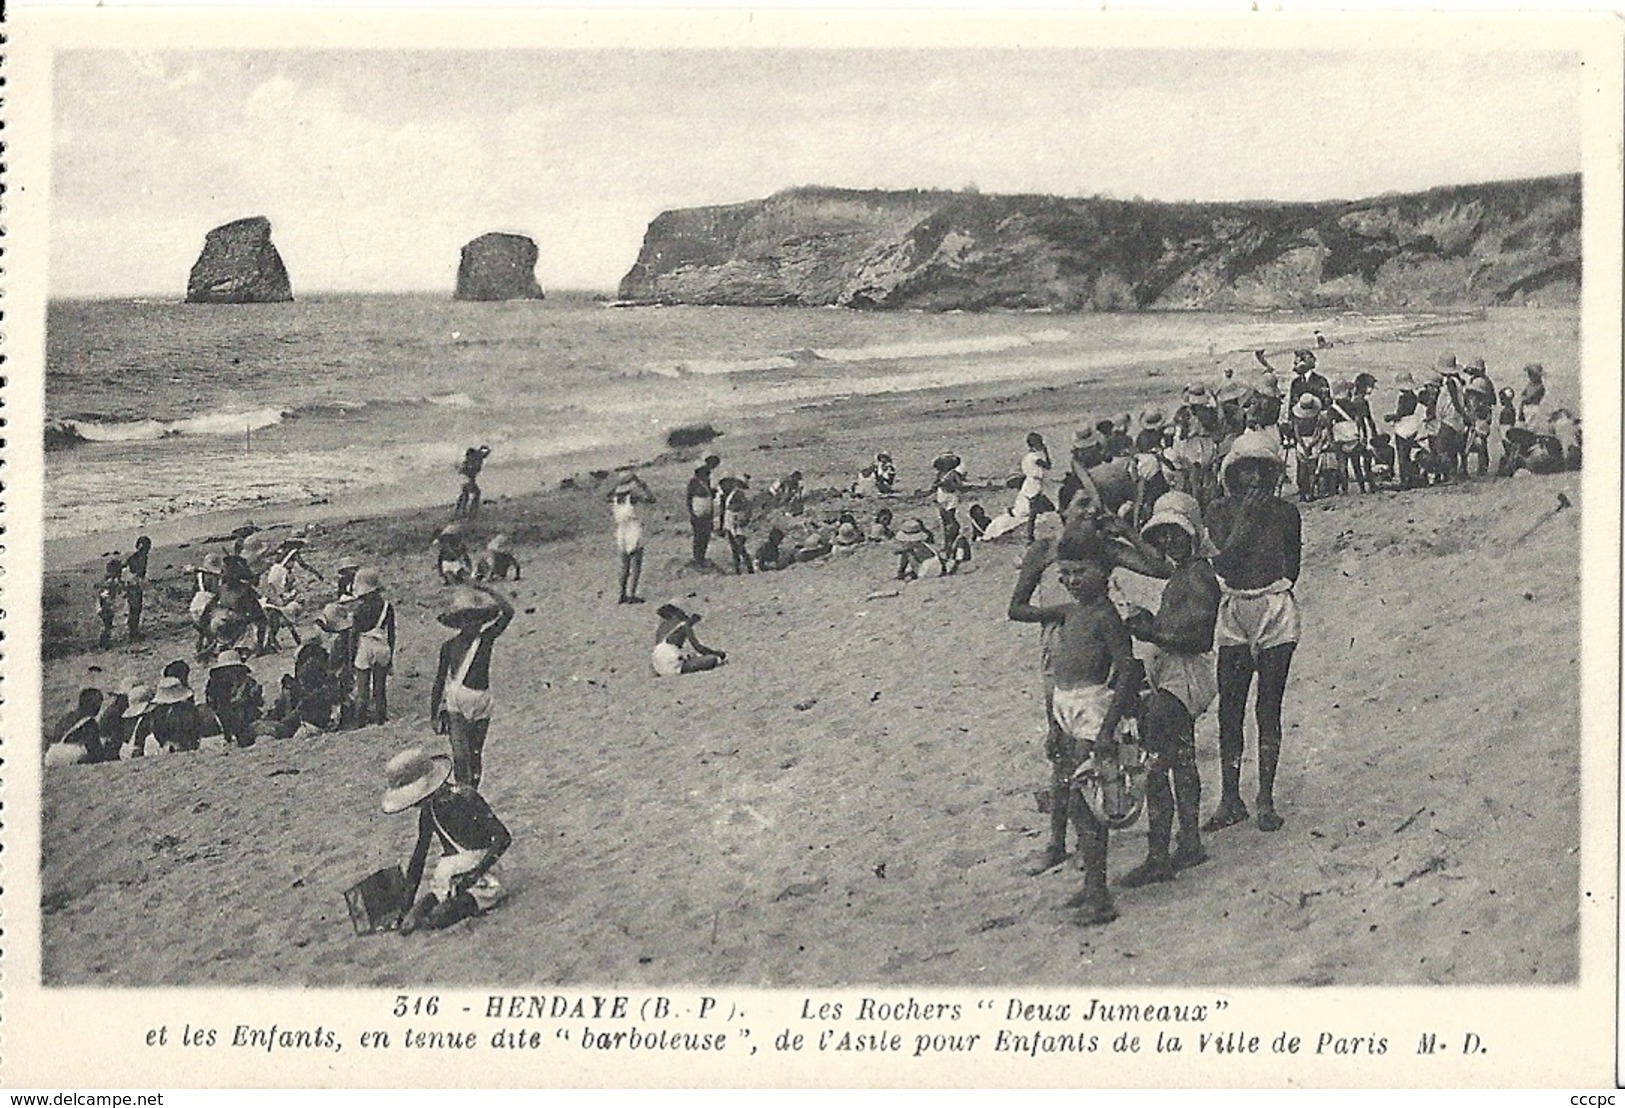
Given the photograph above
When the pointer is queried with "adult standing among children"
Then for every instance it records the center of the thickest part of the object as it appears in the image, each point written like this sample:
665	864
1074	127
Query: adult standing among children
700	497
1260	540
629	491
1305	378
462	681
373	620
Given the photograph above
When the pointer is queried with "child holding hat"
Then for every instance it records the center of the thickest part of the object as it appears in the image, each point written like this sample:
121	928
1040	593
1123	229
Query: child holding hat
462	683
464	882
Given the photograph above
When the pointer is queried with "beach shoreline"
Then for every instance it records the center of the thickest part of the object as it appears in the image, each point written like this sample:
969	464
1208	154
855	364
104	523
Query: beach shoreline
871	750
528	478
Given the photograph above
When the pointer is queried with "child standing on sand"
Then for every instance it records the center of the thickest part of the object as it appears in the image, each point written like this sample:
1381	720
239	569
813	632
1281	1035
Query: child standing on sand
374	623
135	584
464	882
108	594
468	500
624	498
462	683
1096	681
733	517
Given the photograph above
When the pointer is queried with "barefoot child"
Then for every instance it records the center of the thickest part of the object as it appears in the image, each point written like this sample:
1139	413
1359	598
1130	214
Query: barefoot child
1180	670
1096	682
374	627
1261	548
624	498
677	650
472	838
468	500
462	684
1085	537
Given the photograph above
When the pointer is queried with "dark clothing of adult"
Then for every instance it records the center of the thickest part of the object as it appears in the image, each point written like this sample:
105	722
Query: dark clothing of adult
1310	382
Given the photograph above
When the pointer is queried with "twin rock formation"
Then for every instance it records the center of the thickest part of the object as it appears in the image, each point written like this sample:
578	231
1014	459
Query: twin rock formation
1511	242
240	265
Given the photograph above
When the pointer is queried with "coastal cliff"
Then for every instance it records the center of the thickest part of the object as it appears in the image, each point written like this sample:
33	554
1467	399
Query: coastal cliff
239	265
1511	242
498	266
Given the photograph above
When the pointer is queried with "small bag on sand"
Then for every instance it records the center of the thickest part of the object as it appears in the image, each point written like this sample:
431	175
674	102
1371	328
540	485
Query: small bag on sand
377	901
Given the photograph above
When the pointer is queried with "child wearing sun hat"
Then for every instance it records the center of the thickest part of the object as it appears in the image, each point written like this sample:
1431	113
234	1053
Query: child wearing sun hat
464	881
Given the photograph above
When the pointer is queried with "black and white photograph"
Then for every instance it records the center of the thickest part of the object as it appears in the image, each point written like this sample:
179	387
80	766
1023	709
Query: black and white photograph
995	517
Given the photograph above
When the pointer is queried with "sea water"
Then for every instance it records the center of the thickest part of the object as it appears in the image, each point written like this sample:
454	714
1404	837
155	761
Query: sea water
195	408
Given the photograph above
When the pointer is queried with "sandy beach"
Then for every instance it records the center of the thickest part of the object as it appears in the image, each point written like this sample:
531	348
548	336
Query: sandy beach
851	799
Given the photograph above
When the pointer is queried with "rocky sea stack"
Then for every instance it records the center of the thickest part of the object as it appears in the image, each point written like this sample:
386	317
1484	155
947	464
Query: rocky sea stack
1510	242
239	266
498	266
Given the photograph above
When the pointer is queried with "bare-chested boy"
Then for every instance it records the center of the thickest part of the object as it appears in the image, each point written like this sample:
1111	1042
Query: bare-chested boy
1097	681
1085	537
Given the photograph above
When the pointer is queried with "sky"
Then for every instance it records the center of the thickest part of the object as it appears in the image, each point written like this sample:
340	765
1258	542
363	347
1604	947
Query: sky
375	167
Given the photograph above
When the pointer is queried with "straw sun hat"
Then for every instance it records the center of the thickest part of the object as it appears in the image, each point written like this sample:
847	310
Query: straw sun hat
171	690
140	700
366	582
468	607
413	775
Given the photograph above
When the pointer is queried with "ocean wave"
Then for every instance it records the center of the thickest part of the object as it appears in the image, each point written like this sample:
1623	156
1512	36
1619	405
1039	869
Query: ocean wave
209	423
452	400
941	348
847	355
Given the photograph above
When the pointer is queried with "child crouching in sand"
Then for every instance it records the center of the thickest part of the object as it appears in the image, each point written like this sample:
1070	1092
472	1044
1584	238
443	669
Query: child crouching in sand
464	882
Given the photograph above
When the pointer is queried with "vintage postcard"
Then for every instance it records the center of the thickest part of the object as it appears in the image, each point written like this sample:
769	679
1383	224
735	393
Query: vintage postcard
807	548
